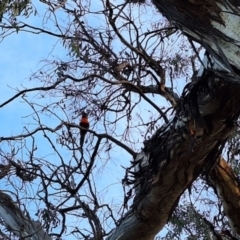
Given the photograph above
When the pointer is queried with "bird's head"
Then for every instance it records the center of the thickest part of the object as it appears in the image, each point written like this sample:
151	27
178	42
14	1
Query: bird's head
84	114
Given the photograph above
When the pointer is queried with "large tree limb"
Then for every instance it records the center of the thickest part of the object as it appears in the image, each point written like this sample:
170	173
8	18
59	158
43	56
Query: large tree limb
226	184
18	223
214	24
205	117
178	153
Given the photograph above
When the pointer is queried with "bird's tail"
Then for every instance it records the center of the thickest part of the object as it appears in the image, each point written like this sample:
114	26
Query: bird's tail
82	137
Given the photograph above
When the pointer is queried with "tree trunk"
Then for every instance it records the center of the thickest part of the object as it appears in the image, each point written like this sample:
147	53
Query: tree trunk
205	116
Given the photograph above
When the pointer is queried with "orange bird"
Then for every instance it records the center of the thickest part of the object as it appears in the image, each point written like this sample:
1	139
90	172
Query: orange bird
84	123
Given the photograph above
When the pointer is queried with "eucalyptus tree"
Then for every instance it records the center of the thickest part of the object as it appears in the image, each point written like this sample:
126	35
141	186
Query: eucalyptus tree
124	63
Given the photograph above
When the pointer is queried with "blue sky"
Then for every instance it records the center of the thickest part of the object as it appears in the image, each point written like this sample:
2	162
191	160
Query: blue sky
20	57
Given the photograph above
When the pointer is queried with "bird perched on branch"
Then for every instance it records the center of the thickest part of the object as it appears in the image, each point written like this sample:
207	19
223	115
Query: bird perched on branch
84	124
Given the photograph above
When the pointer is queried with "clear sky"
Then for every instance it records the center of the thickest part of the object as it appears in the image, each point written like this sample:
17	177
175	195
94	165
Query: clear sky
21	56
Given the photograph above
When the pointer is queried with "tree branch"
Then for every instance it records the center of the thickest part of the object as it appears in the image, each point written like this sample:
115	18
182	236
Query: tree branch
227	187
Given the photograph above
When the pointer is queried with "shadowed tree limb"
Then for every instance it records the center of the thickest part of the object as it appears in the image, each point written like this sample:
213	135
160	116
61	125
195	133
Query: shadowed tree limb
177	153
226	184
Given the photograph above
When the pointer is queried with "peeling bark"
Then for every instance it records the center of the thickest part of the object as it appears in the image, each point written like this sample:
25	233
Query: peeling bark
227	186
205	117
177	154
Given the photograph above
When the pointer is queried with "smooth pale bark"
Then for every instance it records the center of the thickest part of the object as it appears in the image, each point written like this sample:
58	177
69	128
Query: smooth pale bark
213	23
18	223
